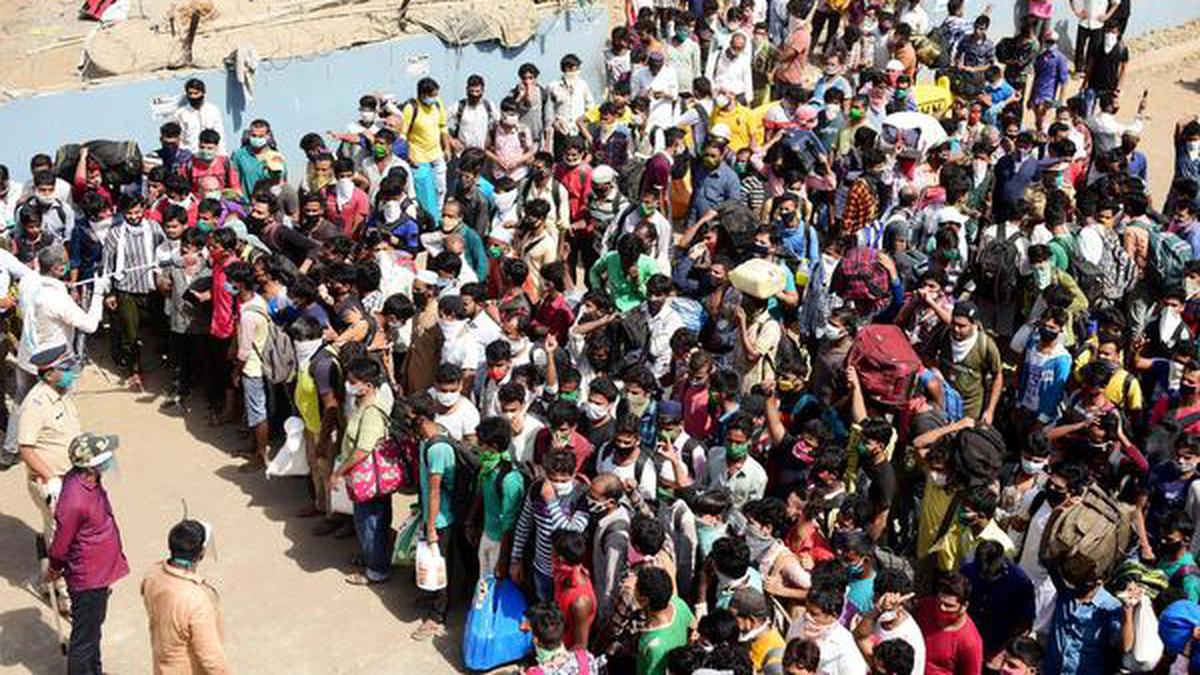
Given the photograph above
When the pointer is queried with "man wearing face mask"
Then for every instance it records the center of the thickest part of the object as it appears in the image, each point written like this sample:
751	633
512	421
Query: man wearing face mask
839	653
952	642
437	468
714	182
1064	480
732	467
456	415
41	431
186	628
209	160
889	619
1173	557
250	159
756	632
381	161
128	257
624	458
87	550
1107	59
610	539
1045	368
195	114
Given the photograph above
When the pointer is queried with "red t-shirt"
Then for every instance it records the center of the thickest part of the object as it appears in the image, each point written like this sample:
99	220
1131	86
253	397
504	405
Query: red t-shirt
570	584
580	445
696	420
344	215
578	181
957	652
223	324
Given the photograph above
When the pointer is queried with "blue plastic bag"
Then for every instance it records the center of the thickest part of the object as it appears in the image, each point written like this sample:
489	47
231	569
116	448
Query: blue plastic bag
493	635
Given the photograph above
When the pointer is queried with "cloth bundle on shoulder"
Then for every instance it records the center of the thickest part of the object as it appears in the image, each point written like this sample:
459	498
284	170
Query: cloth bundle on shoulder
1084	540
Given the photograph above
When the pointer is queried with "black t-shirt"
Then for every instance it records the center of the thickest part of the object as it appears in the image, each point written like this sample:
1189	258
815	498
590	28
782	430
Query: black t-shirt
1104	69
882	489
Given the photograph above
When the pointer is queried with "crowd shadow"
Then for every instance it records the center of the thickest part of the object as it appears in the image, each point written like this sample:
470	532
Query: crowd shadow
18	566
28	642
1191	85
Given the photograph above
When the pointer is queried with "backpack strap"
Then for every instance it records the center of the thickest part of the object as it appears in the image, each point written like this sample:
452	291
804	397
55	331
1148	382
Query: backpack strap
581	662
948	518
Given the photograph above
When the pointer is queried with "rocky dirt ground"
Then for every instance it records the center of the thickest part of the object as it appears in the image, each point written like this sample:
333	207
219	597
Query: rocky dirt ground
287	609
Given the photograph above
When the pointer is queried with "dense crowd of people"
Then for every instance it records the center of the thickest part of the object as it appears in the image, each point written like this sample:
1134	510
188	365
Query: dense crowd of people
770	357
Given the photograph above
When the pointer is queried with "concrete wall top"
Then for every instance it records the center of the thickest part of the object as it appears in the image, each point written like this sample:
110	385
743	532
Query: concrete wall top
300	95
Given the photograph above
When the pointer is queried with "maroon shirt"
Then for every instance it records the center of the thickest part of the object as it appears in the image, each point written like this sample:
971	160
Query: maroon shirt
657	174
87	543
579	445
555	315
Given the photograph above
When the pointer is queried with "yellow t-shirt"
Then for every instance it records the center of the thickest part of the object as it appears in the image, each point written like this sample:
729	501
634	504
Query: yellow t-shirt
740	125
933	508
593	115
423	127
1118	384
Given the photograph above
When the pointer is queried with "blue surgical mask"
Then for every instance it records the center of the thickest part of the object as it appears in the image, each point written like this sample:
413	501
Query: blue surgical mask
230	289
67	379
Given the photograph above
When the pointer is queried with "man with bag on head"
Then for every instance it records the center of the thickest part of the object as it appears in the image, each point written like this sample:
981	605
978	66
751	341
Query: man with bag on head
186	629
47	423
87	548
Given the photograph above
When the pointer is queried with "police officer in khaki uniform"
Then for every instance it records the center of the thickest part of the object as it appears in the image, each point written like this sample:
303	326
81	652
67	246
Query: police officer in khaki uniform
47	423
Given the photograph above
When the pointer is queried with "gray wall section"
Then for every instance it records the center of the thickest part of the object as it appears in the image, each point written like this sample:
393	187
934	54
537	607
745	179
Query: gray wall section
299	95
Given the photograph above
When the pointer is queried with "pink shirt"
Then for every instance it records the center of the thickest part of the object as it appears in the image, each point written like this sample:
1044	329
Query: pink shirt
344	216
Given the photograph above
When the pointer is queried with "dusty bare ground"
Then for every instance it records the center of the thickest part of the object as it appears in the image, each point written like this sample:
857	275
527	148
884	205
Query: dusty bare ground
287	609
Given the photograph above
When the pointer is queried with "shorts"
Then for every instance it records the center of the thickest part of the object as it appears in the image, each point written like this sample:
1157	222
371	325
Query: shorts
254	391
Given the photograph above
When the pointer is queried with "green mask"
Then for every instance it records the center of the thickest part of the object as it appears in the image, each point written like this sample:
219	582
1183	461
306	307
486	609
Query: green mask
855	114
204	226
546	655
489	460
380	151
711	163
647	209
569	396
737	451
495	251
669	435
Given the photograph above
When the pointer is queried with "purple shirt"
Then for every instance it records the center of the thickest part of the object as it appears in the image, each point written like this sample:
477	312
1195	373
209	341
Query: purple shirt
87	543
1050	71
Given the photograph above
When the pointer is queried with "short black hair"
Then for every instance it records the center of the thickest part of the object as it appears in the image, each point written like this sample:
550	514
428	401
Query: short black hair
654	584
186	540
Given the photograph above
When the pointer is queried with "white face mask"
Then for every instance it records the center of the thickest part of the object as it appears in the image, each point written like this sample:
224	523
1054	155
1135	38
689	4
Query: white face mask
451	329
939	478
446	399
1168	322
1193	148
1110	41
564	488
345	189
212	194
391	211
509	119
722	100
887	617
367	117
595	411
1032	467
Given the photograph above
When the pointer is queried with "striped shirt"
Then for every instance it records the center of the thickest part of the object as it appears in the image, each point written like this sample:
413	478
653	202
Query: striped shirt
541	521
138	252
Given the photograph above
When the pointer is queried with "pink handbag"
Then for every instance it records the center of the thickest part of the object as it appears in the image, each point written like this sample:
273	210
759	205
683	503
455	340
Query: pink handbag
379	474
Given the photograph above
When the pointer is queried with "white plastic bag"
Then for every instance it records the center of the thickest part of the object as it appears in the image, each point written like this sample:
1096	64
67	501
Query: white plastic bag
1147	646
339	499
431	567
291	459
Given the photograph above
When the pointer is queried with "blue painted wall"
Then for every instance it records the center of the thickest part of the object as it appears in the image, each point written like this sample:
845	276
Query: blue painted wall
301	94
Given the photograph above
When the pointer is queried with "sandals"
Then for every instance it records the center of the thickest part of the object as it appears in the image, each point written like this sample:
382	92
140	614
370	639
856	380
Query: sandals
361	579
428	630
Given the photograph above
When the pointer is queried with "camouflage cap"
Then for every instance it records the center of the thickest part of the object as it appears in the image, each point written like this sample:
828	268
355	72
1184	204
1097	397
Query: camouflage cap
90	450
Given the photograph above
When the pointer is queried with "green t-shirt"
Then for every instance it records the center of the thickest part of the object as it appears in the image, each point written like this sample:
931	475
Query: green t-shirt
1190	583
654	645
501	507
437	458
608	274
365	428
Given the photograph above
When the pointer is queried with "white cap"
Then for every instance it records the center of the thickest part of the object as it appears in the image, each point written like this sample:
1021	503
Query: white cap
427	277
603	174
894	64
720	131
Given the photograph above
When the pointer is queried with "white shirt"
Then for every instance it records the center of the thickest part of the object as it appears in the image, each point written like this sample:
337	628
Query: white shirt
732	75
662	326
1107	131
8	204
839	651
647	482
461	420
194	121
483	330
55	319
568	102
1094	12
908	631
1091	243
375	175
522	443
917	18
473	123
643	82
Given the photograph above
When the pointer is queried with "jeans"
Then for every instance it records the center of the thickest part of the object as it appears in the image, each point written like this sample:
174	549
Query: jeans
373	524
543	586
88	609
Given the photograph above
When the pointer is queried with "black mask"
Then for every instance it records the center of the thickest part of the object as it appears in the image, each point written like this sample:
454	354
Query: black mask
254	225
196	102
1055	497
1047	334
1170	549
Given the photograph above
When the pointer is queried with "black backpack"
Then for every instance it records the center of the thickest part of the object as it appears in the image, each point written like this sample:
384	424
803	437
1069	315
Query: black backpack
997	271
629	178
466	474
978	454
1160	442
